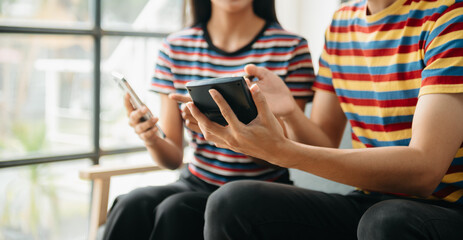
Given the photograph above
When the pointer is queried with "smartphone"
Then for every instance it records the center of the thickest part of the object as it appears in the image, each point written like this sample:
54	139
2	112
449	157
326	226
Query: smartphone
134	99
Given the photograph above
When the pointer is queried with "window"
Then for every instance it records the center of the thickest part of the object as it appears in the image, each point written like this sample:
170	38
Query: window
59	109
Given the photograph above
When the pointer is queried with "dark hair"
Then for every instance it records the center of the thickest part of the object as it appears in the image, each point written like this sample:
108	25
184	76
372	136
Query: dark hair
201	10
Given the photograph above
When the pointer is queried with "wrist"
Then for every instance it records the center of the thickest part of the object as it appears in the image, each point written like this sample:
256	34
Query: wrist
279	155
153	143
292	115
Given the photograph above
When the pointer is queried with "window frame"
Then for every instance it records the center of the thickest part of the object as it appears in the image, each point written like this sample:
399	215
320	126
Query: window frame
97	33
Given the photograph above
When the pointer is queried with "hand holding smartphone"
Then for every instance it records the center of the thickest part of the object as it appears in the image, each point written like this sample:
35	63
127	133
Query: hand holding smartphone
134	99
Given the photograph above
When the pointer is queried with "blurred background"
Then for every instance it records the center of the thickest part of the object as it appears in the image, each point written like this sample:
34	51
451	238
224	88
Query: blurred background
60	111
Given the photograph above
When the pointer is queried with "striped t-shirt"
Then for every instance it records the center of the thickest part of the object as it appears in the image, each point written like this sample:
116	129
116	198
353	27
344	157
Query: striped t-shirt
189	55
378	65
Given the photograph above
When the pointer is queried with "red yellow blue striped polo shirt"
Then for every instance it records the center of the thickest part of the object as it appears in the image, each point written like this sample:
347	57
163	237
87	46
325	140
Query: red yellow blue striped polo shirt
378	65
189	55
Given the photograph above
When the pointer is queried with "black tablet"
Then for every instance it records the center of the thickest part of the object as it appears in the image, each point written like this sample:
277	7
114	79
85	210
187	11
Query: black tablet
233	89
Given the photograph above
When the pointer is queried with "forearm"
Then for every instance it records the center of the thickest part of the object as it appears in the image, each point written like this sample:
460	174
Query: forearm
168	152
165	153
416	169
303	130
389	169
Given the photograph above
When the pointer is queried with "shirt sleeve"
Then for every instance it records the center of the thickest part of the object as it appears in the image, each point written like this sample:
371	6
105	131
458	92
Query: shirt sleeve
324	80
163	79
443	54
300	75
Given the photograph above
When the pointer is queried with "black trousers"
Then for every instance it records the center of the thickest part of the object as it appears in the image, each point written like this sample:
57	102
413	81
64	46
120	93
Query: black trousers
174	211
257	210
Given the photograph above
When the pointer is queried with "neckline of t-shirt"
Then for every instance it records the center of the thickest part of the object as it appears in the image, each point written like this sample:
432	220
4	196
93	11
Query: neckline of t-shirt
394	7
241	50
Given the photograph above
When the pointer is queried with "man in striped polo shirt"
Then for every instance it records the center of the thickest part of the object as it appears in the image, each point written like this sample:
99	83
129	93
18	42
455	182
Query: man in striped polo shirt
394	70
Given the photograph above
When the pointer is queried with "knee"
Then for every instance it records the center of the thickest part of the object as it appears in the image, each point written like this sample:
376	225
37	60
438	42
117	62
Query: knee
182	205
229	210
133	202
388	219
233	198
184	211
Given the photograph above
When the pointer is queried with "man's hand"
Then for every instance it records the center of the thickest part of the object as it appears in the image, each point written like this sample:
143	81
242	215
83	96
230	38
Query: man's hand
190	121
254	139
279	98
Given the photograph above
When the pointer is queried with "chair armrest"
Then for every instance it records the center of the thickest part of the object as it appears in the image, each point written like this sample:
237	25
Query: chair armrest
101	177
103	172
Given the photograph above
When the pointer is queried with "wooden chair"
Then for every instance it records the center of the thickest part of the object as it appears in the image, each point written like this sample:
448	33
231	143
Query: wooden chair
101	177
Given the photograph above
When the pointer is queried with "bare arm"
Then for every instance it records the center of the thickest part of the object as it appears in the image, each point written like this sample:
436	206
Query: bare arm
325	126
416	169
327	122
166	152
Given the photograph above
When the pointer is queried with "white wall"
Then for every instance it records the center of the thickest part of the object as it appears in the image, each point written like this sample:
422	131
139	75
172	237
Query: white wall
310	18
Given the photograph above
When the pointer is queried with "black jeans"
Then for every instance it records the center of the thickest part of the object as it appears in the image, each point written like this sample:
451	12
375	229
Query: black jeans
257	210
174	211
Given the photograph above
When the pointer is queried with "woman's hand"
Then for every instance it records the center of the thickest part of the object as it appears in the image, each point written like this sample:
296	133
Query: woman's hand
146	130
279	97
190	121
261	138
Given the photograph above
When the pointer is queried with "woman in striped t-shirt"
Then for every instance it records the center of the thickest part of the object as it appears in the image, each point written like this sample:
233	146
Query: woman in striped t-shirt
224	37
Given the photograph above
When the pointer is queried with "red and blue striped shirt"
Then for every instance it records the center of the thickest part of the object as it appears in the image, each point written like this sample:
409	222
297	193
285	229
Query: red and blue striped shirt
379	65
189	55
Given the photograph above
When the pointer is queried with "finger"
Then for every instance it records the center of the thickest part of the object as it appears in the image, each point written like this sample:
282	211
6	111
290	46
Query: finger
184	108
225	109
186	114
200	117
192	125
188	117
128	104
145	126
136	115
260	101
180	97
150	134
248	81
259	72
209	128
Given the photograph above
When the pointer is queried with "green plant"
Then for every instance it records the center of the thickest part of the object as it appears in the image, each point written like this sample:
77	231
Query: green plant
30	134
37	183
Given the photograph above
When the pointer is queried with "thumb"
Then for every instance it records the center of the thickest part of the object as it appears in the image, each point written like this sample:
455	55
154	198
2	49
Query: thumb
259	72
180	97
